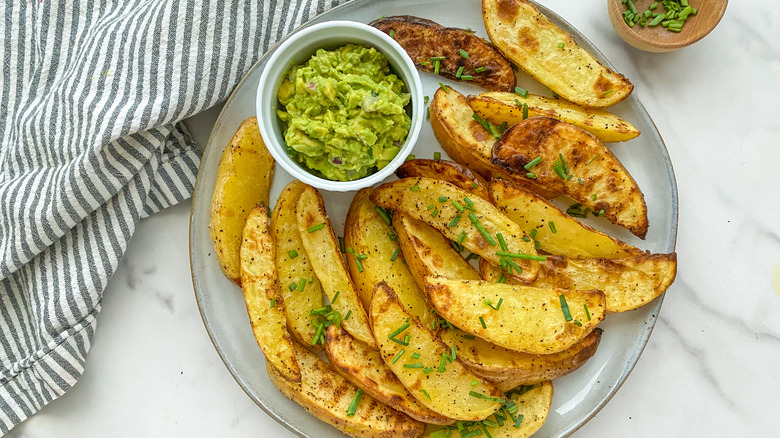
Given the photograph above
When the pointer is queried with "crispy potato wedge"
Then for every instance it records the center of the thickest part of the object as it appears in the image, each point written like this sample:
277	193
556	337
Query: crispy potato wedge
424	39
467	142
530	319
572	238
509	369
327	396
629	283
533	406
501	107
363	366
428	252
326	260
367	233
264	303
244	176
449	392
293	266
445	170
478	229
598	179
533	43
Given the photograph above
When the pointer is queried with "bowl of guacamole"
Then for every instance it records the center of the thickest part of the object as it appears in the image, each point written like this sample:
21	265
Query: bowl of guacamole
340	105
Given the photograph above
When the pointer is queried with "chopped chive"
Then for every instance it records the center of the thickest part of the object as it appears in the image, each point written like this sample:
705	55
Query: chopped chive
502	278
591	160
501	241
481	229
577	323
430	207
444	87
427	370
443	198
399	330
530	175
552	227
521	91
579	180
519	255
467	78
454	222
525	111
519	420
486	397
293	286
533	232
335	297
438	58
469	337
442	364
437	155
413	366
533	163
415	188
468	201
435	212
353	406
563	164
293	254
273	302
405	342
349	312
395	254
474	382
392	236
480	70
481	121
607	92
383	214
425	99
436	65
513	265
415	355
457	206
461	237
425	62
410	157
471	256
459	72
482	322
398	355
453	354
425	393
392	33
474	185
464	53
315	227
301	284
587	312
561	45
565	308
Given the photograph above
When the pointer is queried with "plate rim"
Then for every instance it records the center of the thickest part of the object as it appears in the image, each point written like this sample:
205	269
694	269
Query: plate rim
656	305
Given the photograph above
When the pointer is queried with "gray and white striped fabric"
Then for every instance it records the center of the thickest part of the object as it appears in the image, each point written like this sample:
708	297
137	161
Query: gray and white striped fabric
91	99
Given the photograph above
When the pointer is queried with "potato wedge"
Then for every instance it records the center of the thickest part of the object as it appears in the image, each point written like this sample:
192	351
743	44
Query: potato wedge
326	260
369	234
549	54
294	269
529	319
445	170
571	238
428	252
363	366
501	107
477	225
449	392
533	405
424	39
244	176
328	396
598	179
264	303
509	369
467	142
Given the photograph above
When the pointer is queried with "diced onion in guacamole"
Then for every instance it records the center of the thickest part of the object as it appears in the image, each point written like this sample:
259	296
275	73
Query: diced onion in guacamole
345	113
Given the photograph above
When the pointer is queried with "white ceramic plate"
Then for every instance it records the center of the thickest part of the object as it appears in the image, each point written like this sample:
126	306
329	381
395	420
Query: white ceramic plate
579	395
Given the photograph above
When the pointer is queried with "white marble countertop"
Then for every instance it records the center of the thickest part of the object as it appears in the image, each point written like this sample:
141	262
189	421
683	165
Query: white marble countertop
709	368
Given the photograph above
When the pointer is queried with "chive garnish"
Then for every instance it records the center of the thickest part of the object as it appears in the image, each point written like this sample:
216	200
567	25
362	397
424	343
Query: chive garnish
398	355
383	214
349	312
461	237
474	382
587	312
459	72
427	370
457	206
482	321
530	175
481	121
415	355
293	286
444	87
392	33
467	78
481	229
410	157
552	227
533	163
591	160
469	337
453	355
486	397
464	53
437	156
273	302
520	255
399	330
395	254
438	58
413	366
415	188
561	45
565	307
468	201
335	297
425	393
494	306
454	222
501	241
315	227
480	70
436	65
525	111
577	323
442	364
353	406
522	92
392	236
301	284
502	278
293	254
471	256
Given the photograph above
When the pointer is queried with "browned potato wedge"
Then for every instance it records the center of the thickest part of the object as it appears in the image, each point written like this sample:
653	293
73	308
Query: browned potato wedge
294	268
529	319
363	366
598	179
328	396
370	235
467	142
571	238
326	260
243	179
476	223
424	39
533	406
263	299
629	283
401	338
509	369
501	107
445	170
428	252
532	42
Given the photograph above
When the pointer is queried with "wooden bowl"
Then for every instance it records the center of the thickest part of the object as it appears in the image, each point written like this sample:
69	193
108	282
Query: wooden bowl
658	38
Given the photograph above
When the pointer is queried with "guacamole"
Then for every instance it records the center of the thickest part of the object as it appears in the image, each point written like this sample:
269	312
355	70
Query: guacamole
344	112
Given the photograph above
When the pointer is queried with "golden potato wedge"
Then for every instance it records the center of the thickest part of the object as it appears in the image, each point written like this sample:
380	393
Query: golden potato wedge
475	223
577	164
424	39
424	364
509	369
244	177
363	366
467	142
428	252
328	396
571	238
326	260
501	107
549	54
529	319
445	170
375	256
532	407
264	303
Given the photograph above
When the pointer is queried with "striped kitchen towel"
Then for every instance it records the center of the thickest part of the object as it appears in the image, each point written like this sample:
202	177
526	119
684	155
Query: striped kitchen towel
92	95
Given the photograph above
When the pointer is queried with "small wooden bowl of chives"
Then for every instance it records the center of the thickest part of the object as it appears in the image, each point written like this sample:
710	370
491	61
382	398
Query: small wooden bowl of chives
660	34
